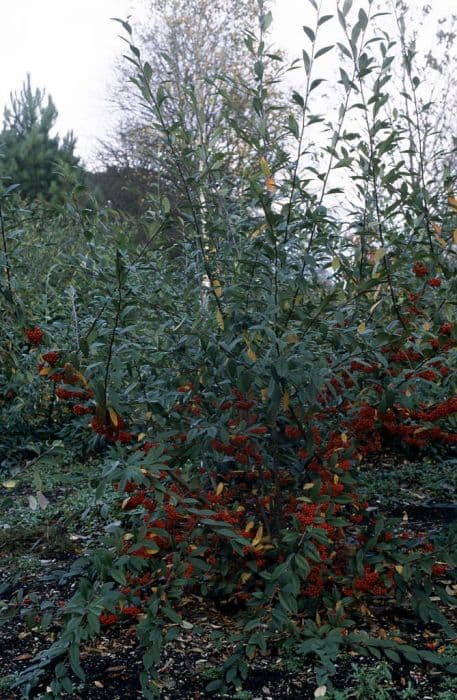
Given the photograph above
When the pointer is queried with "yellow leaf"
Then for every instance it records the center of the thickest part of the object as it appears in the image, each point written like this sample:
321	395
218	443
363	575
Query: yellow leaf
258	536
452	202
128	536
379	254
264	394
271	185
344	438
285	401
220	488
141	437
308	486
249	526
114	418
9	484
399	568
44	371
81	377
250	352
375	305
361	328
336	479
335	264
245	577
258	231
454	235
217	288
265	167
427	326
220	320
152	550
252	356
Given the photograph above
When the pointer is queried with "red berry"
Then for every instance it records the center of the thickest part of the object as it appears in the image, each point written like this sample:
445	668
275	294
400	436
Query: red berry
34	335
434	282
51	358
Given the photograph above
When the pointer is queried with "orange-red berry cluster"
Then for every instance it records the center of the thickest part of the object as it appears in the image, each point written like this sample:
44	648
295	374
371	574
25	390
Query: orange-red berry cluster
34	335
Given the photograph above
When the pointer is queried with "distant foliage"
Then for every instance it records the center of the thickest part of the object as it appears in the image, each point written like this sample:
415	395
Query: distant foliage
31	156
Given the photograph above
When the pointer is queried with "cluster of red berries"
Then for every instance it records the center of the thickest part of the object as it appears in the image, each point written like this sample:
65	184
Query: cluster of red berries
434	282
34	335
51	357
112	430
81	410
371	582
419	269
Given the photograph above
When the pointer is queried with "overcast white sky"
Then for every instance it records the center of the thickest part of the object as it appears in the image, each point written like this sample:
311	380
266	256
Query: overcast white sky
69	47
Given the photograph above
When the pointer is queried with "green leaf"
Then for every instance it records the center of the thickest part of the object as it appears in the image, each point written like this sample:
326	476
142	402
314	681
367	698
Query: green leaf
323	19
309	33
293	126
392	655
306	62
324	50
346	7
302	564
171	614
213	686
267	20
288	602
316	83
363	19
147	70
298	99
75	663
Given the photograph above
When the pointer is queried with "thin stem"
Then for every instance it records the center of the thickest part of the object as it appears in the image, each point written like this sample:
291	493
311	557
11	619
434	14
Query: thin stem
5	252
302	130
113	333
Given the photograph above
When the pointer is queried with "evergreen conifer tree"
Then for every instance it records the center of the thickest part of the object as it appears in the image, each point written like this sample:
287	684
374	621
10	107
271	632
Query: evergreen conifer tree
30	155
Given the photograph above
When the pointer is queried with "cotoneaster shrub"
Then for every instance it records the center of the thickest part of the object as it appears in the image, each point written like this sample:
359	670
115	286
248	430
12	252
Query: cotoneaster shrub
300	323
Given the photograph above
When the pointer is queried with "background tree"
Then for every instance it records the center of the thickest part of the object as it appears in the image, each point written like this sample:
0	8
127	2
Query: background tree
428	87
30	155
190	46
